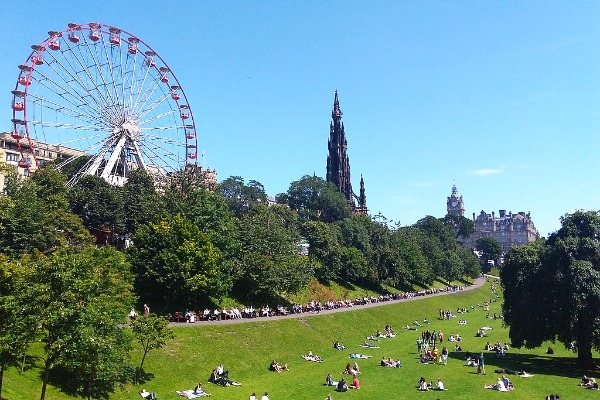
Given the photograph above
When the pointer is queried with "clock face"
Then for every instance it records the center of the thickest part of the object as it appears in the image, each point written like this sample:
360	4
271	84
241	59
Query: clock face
454	203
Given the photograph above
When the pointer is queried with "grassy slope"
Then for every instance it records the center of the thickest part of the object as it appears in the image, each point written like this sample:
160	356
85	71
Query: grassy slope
246	350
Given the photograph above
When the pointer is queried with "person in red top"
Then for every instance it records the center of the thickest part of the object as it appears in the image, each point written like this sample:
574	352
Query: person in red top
355	383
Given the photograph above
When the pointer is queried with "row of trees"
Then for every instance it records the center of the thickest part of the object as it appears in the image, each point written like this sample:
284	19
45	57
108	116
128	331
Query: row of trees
192	245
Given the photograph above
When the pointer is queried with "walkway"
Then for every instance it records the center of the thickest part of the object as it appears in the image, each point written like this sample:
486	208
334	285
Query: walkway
478	283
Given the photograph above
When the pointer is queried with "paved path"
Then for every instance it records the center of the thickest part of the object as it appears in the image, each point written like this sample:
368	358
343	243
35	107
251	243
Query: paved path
478	283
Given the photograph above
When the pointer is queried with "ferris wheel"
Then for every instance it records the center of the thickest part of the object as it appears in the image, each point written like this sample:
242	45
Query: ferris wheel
102	101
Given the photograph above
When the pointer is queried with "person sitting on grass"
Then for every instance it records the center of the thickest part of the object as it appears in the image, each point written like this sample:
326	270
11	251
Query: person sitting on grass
337	345
498	386
342	386
350	370
439	385
278	367
222	379
584	381
355	383
329	380
423	386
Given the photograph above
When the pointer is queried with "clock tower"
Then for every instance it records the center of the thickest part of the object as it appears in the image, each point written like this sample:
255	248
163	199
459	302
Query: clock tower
455	204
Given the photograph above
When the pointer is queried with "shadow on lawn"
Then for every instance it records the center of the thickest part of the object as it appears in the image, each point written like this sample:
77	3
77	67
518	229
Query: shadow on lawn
532	363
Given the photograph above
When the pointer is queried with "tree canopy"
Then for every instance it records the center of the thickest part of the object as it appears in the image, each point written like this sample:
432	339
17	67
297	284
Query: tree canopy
552	290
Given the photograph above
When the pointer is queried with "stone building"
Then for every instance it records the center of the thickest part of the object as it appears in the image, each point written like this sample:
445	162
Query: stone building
16	154
507	228
338	162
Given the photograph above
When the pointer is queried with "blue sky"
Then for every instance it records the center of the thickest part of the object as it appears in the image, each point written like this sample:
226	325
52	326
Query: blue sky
500	98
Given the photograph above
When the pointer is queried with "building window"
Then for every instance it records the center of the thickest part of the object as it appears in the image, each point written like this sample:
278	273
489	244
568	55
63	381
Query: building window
25	172
12	157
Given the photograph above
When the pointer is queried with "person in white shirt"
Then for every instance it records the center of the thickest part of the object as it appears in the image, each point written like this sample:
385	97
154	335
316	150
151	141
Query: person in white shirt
265	396
252	396
440	384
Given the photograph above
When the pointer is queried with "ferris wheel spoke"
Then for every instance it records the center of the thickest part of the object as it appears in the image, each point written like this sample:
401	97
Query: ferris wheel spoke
100	65
164	140
141	87
79	90
65	125
151	107
82	71
46	103
154	153
149	95
157	117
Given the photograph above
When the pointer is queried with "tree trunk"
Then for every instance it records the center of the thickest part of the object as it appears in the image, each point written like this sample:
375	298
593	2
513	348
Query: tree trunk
2	367
584	356
45	377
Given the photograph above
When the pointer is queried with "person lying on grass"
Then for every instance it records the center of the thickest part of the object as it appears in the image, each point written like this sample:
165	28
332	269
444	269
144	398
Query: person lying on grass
312	357
358	355
369	345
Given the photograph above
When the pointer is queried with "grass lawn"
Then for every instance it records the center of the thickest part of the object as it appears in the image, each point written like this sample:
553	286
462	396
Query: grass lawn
246	350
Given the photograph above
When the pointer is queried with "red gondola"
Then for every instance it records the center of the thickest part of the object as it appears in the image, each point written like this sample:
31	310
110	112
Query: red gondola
38	60
23	163
133	49
185	116
164	78
175	96
192	155
18	106
190	136
114	39
54	45
73	37
94	36
25	81
18	134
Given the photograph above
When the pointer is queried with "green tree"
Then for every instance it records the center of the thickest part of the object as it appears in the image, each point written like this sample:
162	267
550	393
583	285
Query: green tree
490	248
325	248
240	197
98	204
79	298
35	215
188	196
270	261
452	266
174	260
462	227
140	200
553	291
17	326
152	333
471	267
316	200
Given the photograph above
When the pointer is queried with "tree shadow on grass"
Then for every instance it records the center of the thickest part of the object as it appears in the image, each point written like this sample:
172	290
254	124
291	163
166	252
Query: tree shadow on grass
549	365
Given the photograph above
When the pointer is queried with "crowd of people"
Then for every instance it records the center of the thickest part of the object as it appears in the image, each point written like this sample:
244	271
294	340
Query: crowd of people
310	307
